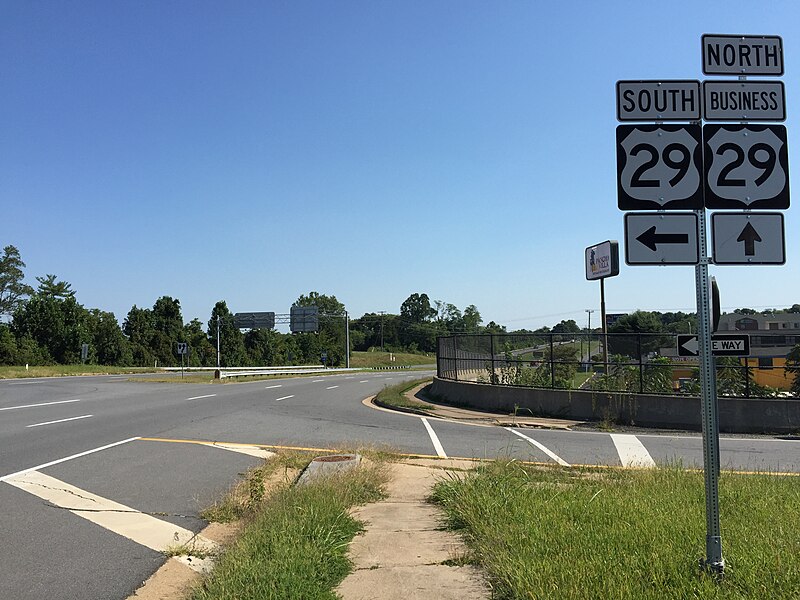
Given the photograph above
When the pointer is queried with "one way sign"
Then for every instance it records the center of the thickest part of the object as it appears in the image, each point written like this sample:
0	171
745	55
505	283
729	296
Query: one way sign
722	344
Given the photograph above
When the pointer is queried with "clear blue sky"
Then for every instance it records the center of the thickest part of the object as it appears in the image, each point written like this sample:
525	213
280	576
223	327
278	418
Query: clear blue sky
256	151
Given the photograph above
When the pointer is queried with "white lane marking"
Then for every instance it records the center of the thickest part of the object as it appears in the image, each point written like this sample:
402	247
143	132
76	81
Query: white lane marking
26	382
143	529
332	387
388	378
631	451
541	447
256	451
42	404
60	421
284	398
437	445
364	381
349	377
199	397
67	458
317	380
272	387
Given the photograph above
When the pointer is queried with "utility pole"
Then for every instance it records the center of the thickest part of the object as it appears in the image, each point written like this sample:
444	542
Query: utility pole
347	340
383	312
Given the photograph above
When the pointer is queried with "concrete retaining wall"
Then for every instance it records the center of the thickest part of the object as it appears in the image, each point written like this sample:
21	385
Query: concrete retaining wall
736	415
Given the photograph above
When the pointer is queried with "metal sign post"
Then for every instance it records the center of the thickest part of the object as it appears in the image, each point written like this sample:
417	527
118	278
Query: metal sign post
710	414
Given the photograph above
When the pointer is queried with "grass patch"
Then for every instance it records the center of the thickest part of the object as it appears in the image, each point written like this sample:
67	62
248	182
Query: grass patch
621	534
395	396
367	360
65	370
294	545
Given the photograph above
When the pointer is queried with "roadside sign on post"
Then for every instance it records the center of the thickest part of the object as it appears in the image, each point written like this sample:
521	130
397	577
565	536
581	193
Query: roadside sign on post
602	260
659	167
747	166
84	351
753	238
661	239
742	54
722	344
183	348
744	101
653	100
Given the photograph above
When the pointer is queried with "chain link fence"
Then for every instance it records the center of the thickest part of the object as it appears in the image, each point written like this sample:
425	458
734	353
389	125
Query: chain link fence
645	363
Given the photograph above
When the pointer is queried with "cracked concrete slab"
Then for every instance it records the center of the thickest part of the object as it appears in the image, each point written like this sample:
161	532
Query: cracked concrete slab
404	551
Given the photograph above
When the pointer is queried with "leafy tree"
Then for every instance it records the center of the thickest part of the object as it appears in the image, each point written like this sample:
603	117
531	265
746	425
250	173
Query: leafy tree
745	311
50	288
59	326
793	366
232	350
417	308
569	327
794	309
201	352
109	345
493	327
331	335
12	290
471	319
634	324
140	329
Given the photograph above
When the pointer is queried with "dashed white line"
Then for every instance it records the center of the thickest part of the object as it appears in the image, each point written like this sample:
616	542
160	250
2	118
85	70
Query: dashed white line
25	382
67	458
364	381
317	380
631	451
332	387
199	397
60	421
42	404
541	447
437	445
272	387
284	398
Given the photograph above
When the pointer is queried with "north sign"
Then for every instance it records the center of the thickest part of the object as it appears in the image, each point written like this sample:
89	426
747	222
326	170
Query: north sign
746	166
742	54
659	167
661	239
744	101
667	100
722	344
748	238
602	260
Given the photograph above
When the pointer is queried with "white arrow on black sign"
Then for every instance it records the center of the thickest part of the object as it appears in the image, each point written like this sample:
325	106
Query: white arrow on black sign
722	344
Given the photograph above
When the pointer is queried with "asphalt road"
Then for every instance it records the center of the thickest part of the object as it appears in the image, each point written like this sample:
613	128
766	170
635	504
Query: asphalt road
109	440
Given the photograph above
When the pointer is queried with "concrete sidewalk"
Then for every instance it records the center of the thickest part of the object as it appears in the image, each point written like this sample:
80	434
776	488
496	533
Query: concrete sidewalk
403	553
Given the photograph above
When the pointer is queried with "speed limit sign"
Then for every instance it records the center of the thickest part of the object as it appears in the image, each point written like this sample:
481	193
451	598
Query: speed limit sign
659	167
746	166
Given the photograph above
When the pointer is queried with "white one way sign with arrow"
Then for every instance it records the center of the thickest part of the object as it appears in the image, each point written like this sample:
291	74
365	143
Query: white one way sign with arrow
722	344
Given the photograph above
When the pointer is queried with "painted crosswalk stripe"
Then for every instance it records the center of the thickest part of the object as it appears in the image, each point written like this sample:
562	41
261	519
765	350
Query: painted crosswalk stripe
142	528
540	446
631	451
40	404
200	397
59	421
437	445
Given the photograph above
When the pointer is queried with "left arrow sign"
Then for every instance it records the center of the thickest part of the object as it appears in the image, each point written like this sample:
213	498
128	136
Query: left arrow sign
651	239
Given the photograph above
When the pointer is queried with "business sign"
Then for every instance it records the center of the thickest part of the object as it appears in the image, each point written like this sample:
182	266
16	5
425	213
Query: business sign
254	320
722	344
661	239
659	167
748	238
747	166
666	100
602	260
744	101
303	319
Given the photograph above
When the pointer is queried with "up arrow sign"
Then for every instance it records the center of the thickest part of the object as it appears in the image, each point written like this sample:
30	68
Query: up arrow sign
722	344
749	236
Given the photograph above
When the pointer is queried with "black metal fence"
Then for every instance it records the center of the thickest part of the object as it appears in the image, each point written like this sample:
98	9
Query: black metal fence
641	363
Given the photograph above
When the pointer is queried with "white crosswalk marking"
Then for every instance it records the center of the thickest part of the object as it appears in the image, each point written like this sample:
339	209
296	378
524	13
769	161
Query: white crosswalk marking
631	451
